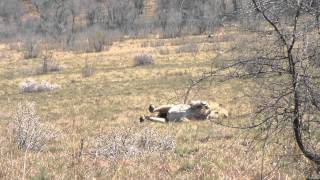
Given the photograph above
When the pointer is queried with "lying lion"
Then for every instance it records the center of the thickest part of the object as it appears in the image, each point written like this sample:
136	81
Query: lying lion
196	110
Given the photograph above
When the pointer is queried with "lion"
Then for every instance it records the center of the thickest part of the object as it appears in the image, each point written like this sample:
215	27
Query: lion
196	110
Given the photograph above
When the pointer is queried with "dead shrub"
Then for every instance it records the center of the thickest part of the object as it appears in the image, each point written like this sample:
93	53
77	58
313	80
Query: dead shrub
87	70
128	142
100	39
31	48
164	51
145	44
30	85
157	43
144	59
28	132
49	65
97	41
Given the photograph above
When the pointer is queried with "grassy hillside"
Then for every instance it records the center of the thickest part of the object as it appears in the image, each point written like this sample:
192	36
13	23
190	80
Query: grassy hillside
114	96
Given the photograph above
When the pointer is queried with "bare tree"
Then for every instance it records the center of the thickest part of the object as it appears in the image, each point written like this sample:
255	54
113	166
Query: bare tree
286	81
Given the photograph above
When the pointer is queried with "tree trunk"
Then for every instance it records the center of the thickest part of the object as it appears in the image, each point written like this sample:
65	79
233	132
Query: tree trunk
235	6
312	156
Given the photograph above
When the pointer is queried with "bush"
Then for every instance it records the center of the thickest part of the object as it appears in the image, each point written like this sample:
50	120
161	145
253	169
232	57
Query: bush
30	85
28	132
87	70
145	44
189	48
31	48
126	142
157	43
164	51
48	65
97	41
100	39
143	59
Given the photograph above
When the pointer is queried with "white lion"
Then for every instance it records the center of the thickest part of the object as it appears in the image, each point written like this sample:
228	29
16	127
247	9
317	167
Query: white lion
196	110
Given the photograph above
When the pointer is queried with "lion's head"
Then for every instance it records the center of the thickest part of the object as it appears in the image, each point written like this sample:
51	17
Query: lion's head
199	110
218	112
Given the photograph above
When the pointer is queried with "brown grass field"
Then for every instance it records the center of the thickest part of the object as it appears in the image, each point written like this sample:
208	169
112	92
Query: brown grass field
114	96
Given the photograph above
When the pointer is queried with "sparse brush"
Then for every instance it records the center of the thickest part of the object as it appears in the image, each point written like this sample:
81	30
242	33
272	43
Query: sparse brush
157	43
87	70
30	85
31	48
126	142
48	64
164	51
28	132
145	44
99	39
188	48
144	59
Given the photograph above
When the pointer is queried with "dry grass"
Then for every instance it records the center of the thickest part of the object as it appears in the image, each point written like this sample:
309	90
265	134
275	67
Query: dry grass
128	143
189	48
116	96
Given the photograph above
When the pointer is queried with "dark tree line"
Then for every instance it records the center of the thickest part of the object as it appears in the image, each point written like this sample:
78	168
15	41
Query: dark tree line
67	21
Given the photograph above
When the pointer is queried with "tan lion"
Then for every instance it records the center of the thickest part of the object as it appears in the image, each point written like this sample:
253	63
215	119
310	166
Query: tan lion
196	110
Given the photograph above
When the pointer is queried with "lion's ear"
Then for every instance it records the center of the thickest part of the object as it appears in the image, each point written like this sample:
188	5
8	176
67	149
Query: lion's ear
204	103
192	103
195	104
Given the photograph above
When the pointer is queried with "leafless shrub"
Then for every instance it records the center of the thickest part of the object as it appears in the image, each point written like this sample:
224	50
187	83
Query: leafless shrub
145	44
157	43
28	132
174	28
126	142
17	46
87	70
164	51
188	48
31	48
177	42
97	41
144	59
80	43
100	39
30	85
54	66
49	65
